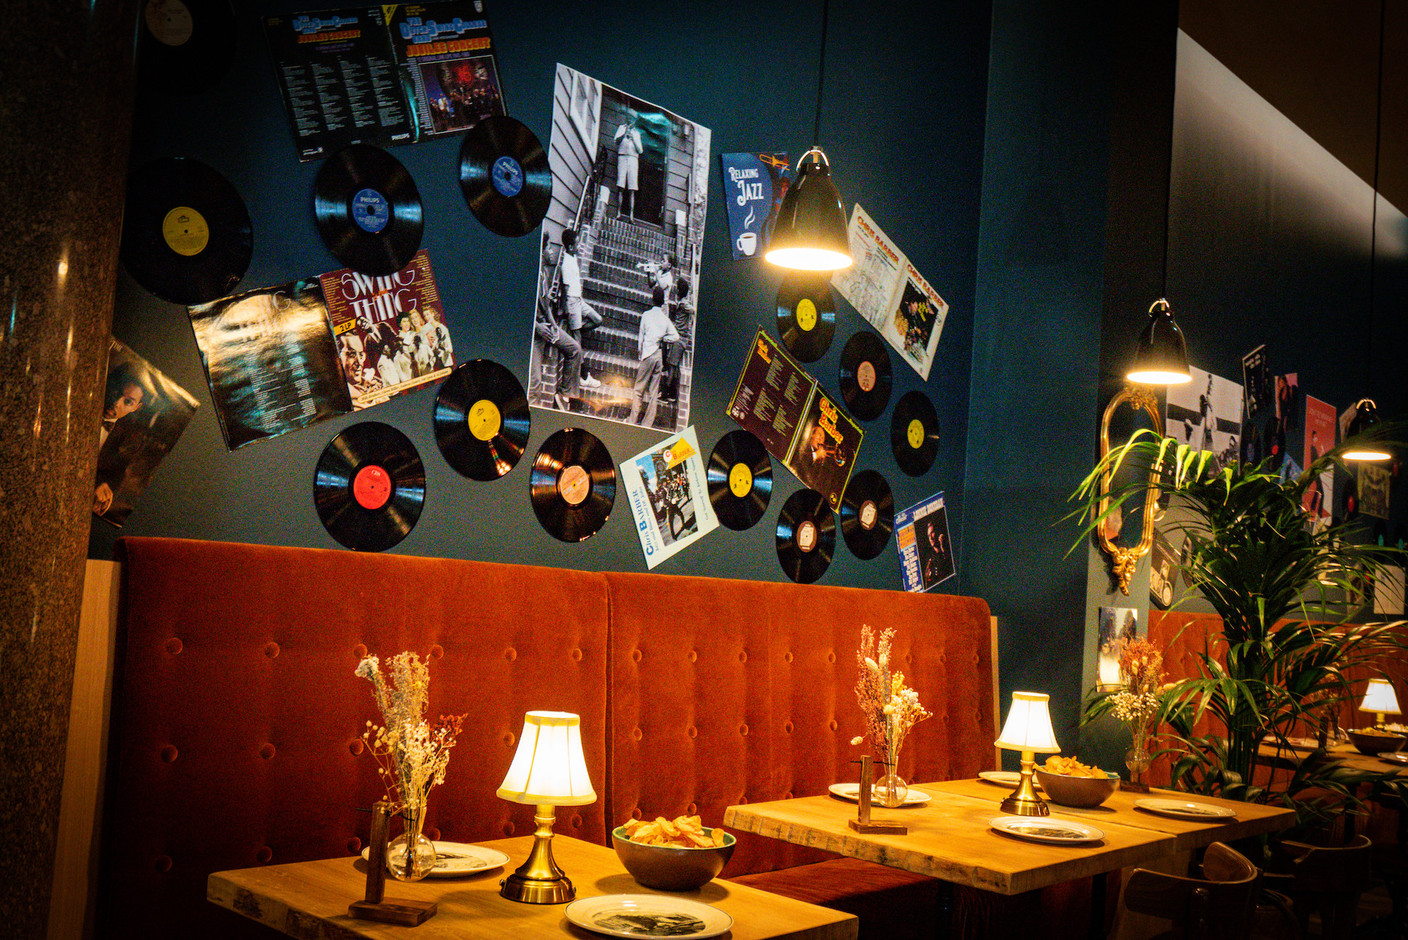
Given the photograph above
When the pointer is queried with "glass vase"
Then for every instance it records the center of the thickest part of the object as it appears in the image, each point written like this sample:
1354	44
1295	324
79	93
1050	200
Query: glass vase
1137	759
420	860
891	790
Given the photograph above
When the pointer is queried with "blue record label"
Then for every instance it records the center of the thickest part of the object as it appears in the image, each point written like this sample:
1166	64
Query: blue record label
370	211
507	176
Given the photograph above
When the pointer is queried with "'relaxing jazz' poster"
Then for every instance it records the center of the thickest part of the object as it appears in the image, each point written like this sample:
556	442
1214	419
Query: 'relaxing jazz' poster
618	275
926	554
754	184
669	496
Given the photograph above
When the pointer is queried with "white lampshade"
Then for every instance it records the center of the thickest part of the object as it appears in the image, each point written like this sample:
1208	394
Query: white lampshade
549	767
1028	725
1379	698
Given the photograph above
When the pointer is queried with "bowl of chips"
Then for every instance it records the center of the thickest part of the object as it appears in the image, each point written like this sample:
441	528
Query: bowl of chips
676	854
1070	783
1373	741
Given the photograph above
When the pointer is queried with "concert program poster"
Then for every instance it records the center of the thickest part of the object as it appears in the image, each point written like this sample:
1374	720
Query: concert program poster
339	80
391	332
754	184
1373	490
144	412
1319	498
270	360
926	554
796	421
446	55
891	294
669	496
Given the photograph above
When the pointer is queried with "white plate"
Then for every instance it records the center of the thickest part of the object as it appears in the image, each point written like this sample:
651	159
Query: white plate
1003	778
457	859
851	791
1052	829
1184	809
647	915
1395	757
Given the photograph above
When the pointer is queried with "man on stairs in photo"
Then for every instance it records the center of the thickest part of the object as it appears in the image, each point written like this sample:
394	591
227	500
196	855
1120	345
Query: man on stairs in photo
655	329
629	147
581	316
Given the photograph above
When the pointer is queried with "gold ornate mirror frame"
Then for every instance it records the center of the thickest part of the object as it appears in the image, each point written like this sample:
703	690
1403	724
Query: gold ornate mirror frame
1123	560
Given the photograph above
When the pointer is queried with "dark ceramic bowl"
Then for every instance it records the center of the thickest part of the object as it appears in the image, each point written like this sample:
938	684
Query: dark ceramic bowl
1376	742
672	868
1082	792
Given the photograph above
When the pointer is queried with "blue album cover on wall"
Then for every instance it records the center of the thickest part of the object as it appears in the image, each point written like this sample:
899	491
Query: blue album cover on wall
754	184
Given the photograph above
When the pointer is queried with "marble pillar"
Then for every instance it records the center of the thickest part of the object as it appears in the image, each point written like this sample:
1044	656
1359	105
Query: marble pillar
64	132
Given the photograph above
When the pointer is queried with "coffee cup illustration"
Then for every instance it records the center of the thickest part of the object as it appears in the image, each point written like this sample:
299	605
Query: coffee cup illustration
748	243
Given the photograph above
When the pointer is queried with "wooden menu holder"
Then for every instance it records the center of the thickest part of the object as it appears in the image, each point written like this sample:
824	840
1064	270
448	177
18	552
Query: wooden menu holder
401	911
863	822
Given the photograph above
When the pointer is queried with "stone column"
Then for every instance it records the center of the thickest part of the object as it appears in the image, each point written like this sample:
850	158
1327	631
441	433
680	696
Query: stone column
64	130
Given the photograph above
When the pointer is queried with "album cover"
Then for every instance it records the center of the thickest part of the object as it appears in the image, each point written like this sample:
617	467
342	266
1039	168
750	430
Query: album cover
144	413
669	496
754	184
1373	490
446	55
891	294
391	332
926	552
1257	392
1118	626
1319	499
795	419
618	275
337	72
1388	591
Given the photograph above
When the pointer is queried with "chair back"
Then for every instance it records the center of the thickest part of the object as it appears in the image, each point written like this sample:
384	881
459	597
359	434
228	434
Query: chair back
1329	879
1219	906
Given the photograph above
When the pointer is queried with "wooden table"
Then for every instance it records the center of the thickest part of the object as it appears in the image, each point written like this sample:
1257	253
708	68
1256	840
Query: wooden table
1348	753
309	900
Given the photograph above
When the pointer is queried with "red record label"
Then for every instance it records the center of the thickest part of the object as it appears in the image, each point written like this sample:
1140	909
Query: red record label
371	487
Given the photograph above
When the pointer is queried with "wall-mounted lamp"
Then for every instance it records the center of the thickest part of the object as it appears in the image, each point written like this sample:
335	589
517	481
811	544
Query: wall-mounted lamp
1366	415
1161	357
810	233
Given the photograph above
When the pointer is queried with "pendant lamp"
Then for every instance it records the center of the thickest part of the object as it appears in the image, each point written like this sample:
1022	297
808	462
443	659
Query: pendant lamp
1366	415
810	233
1161	357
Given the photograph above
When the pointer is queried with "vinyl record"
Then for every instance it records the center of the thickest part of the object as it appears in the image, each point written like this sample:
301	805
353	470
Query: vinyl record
740	479
914	433
573	485
867	514
368	210
864	376
806	314
505	177
481	420
186	235
806	536
185	46
369	486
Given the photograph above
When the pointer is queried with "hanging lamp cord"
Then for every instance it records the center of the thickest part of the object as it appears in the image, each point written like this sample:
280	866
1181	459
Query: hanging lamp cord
821	74
1374	213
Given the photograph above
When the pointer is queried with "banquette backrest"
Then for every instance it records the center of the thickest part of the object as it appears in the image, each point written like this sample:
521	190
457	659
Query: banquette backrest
237	717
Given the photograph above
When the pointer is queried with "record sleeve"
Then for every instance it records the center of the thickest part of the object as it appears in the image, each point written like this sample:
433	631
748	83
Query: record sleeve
922	538
667	492
448	68
481	420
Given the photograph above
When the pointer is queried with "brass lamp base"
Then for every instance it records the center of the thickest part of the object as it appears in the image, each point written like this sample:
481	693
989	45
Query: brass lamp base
538	880
1023	801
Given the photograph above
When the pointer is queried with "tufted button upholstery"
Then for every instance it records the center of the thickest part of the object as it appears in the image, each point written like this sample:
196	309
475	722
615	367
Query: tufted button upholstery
356	746
174	645
168	754
271	649
266	750
264	856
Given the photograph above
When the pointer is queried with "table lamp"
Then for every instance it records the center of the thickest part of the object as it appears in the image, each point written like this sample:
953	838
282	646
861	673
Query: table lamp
1379	699
548	771
1027	729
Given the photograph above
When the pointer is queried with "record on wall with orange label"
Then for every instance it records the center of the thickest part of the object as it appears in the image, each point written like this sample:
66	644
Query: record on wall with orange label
572	485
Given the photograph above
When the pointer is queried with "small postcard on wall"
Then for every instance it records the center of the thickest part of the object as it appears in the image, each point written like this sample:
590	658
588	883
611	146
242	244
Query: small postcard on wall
926	552
1119	626
669	496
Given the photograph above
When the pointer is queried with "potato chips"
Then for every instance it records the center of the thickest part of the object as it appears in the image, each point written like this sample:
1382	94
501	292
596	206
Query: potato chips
684	832
1070	767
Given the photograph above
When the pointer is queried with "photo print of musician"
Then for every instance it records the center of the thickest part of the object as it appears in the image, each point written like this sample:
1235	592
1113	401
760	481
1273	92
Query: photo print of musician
618	275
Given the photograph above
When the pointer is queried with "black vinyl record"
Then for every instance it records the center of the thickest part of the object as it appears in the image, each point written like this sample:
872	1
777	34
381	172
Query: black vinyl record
368	210
864	376
806	536
573	485
481	420
369	487
739	476
185	46
505	177
806	314
914	433
867	514
186	235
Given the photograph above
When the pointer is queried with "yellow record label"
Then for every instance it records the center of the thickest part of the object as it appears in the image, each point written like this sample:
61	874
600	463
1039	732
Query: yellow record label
573	485
806	314
740	480
916	433
484	420
185	231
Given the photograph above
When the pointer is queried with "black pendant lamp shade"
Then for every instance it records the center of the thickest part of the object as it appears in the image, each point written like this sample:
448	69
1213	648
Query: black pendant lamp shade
810	231
1161	357
1366	415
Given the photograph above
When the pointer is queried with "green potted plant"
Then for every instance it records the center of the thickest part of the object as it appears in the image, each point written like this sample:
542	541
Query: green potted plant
1283	662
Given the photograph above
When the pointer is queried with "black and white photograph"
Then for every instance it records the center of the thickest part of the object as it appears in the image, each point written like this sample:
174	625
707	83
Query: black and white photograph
1206	414
1118	626
618	276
